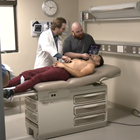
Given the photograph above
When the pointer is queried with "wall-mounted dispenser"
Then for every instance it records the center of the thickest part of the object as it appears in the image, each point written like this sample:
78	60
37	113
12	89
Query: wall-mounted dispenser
118	11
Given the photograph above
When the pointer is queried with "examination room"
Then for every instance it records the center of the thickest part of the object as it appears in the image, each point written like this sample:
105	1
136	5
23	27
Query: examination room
97	106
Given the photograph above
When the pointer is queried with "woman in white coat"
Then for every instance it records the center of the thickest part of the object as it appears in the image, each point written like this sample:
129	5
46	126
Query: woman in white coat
50	45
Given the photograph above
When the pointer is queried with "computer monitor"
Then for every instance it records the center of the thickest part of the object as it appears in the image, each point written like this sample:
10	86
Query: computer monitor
94	49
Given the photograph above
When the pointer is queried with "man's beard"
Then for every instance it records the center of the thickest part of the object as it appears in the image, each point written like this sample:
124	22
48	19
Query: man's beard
78	36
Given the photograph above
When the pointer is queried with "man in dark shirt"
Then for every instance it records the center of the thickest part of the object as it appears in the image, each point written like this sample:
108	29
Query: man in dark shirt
59	71
78	43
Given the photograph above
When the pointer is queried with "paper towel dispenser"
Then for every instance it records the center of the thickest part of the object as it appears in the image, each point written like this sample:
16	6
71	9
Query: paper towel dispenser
118	11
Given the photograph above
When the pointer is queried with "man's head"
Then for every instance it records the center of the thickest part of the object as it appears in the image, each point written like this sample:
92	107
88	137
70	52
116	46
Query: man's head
58	25
98	60
77	30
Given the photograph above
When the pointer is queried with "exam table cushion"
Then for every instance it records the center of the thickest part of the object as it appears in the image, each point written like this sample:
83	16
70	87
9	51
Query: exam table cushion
102	73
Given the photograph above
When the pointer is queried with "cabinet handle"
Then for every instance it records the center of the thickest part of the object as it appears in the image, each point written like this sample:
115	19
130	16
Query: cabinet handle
93	116
90	95
89	106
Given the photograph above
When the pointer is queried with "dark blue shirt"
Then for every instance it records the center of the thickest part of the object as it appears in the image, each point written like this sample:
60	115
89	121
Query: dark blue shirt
55	39
58	55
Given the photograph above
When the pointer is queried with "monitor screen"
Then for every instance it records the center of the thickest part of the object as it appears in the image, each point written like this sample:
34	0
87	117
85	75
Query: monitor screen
94	49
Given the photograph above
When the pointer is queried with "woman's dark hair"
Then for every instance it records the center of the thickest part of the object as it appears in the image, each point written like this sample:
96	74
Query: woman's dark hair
57	23
101	62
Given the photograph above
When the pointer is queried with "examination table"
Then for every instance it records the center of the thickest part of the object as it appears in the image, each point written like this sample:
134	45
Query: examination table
63	107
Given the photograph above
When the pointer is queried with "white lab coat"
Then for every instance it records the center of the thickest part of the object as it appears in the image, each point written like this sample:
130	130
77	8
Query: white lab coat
47	49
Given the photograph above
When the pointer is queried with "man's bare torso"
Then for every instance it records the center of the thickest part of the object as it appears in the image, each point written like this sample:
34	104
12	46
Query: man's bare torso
78	64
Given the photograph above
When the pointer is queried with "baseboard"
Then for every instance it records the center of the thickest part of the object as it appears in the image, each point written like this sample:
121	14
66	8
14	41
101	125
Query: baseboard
112	104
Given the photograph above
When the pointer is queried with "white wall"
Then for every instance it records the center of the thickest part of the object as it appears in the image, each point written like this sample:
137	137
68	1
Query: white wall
124	90
28	10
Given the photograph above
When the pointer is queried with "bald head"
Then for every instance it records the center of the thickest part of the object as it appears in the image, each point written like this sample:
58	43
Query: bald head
77	30
75	26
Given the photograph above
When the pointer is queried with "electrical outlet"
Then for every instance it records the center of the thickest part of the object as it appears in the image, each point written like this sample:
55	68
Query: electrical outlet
103	47
134	49
139	50
109	48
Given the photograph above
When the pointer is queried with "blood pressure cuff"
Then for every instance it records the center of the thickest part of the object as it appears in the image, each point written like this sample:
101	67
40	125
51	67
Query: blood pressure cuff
58	56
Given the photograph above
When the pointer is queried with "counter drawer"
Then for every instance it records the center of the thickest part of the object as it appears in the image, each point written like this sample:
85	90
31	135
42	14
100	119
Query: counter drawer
31	116
91	108
31	104
89	119
89	97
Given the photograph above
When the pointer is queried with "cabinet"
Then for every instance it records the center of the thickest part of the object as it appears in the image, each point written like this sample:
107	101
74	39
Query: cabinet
69	111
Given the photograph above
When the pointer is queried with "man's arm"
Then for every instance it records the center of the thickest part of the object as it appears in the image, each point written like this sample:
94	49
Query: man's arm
72	55
89	69
67	50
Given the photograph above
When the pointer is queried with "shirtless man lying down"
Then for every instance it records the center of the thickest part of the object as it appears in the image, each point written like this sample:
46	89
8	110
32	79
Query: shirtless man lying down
59	71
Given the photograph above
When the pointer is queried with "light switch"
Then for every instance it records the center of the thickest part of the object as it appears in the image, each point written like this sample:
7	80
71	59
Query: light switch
119	48
103	47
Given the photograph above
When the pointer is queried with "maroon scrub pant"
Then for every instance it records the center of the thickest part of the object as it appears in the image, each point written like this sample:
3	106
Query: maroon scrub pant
36	76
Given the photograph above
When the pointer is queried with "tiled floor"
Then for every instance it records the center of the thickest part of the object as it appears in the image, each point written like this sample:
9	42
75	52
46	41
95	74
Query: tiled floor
16	130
